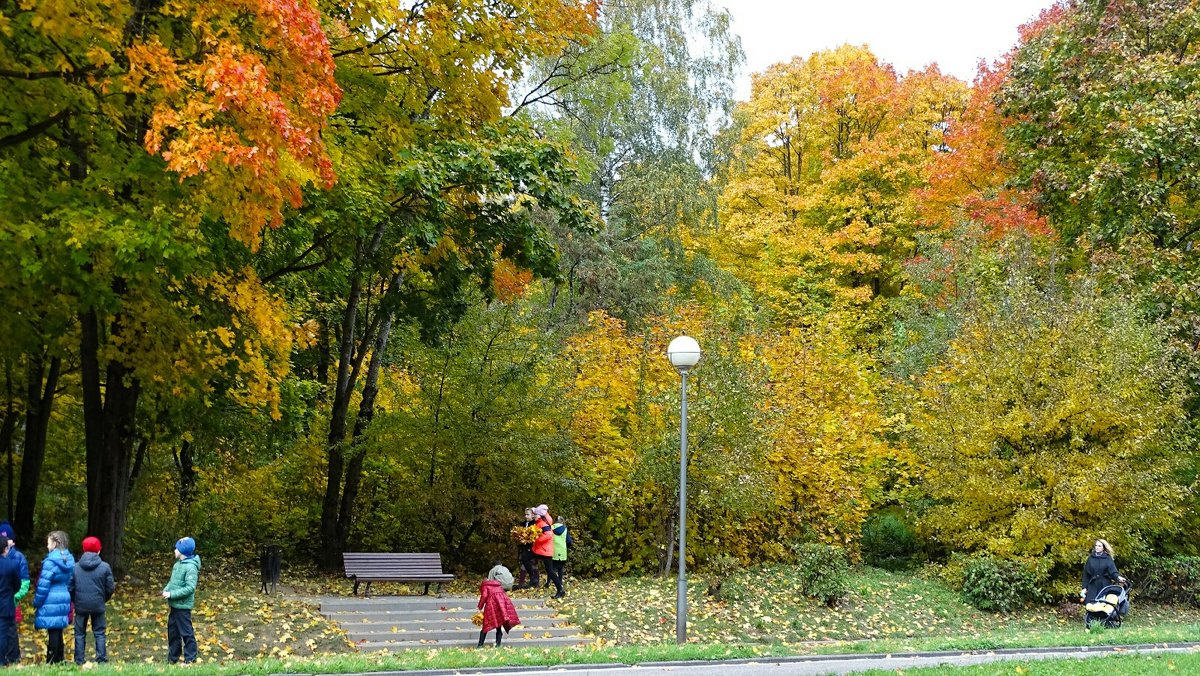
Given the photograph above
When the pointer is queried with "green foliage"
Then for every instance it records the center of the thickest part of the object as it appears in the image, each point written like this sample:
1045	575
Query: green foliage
1167	579
469	431
889	542
823	571
1001	586
1128	70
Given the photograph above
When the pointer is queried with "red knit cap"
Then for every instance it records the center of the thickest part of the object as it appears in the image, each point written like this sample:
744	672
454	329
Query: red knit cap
91	544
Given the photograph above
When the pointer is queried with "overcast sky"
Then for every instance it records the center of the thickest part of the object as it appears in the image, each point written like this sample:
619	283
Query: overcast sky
905	33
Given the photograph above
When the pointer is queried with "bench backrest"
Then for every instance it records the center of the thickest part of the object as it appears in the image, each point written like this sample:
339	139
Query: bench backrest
374	563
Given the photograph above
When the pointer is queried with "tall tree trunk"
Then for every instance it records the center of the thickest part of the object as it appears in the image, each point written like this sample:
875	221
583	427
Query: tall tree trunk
187	474
109	412
8	431
41	383
366	413
352	349
342	389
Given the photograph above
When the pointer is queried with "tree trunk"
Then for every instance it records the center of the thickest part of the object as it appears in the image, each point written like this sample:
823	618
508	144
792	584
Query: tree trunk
187	475
666	566
41	383
343	387
334	527
109	411
366	413
8	430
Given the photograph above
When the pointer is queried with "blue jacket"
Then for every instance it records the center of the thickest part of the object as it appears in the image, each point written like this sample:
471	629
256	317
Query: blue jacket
53	596
10	583
16	555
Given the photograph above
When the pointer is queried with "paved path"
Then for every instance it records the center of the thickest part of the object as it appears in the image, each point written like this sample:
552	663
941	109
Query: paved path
808	666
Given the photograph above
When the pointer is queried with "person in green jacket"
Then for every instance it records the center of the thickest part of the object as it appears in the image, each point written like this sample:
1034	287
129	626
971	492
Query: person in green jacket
180	593
562	540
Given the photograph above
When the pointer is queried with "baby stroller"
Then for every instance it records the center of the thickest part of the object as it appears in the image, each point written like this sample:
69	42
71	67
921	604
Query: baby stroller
1110	606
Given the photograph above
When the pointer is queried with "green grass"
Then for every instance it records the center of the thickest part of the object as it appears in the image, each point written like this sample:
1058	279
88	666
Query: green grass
1126	665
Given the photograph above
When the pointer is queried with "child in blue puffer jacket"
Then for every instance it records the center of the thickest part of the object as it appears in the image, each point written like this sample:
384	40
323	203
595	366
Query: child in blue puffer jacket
53	596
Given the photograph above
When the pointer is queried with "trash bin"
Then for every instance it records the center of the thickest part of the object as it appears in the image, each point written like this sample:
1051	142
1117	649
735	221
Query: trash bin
269	562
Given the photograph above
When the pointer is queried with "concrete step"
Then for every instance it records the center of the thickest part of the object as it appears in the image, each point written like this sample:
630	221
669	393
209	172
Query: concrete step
462	633
431	625
428	615
394	603
513	640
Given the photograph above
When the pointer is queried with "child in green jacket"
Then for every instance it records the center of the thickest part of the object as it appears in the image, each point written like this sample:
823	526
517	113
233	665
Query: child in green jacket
180	593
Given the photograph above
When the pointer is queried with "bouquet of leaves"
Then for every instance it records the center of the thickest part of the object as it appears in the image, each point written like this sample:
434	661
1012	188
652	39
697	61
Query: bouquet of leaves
477	619
525	535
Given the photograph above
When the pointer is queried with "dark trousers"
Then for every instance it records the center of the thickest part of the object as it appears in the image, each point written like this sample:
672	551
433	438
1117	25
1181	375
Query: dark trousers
54	646
483	635
552	573
99	626
528	565
10	646
180	637
560	568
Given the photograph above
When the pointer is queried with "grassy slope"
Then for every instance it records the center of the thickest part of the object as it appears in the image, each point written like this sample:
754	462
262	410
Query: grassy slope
882	609
243	632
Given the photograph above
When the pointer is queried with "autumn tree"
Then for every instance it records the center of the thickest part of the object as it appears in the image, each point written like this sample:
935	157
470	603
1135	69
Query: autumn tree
135	140
830	455
1113	82
816	211
469	429
1051	400
436	188
624	399
636	102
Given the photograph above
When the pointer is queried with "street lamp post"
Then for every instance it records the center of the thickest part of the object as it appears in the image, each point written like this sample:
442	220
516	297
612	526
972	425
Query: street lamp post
684	353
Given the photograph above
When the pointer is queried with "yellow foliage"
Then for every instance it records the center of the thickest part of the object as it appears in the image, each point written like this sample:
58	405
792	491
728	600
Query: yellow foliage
828	453
817	212
1048	424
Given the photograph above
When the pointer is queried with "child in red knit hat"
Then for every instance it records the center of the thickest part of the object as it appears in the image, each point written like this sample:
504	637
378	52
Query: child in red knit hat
91	588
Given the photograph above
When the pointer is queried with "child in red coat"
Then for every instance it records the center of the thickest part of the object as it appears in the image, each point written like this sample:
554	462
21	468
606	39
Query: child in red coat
498	610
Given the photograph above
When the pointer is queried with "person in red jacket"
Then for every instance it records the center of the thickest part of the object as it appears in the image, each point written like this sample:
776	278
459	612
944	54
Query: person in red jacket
498	611
543	547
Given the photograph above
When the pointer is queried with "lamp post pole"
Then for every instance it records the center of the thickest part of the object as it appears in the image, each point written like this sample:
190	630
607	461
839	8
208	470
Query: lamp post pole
681	584
684	354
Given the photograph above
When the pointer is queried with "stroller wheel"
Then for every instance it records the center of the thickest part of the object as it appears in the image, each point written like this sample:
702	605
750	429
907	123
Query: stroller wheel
1087	620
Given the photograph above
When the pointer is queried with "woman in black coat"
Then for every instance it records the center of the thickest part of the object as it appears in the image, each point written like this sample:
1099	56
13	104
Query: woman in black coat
1099	571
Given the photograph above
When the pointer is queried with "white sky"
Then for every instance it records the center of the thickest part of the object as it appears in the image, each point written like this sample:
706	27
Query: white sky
908	34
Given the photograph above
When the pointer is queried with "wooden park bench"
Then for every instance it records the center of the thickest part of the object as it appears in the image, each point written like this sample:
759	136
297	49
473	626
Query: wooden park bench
387	567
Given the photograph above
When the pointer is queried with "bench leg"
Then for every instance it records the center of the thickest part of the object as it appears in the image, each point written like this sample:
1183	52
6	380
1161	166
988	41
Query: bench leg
367	593
355	586
426	589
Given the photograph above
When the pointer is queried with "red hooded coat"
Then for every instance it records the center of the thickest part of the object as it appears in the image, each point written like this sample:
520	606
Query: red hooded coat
498	610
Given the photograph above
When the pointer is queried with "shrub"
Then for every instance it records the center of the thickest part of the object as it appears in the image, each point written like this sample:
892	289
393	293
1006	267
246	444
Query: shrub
1000	586
824	572
889	543
1168	580
720	569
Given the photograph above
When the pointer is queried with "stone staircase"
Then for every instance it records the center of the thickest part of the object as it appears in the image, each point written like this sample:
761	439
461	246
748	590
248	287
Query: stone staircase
422	622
